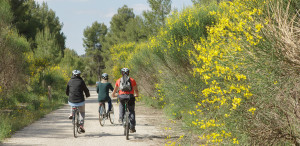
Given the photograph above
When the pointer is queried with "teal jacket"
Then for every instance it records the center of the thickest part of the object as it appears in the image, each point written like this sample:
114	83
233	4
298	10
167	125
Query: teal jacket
103	91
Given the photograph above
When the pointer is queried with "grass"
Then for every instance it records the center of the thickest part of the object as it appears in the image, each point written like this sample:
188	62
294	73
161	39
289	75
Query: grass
24	113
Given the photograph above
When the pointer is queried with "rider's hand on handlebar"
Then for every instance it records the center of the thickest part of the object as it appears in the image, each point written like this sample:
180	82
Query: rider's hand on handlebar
115	95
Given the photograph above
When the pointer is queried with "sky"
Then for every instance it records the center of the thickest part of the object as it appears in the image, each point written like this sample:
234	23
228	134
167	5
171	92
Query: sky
76	15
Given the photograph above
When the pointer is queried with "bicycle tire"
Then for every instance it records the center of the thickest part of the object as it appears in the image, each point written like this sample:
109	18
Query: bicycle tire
127	125
101	115
74	121
124	125
78	122
111	115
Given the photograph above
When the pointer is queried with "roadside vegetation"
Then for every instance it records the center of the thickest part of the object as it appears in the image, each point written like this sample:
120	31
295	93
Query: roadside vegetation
33	58
228	71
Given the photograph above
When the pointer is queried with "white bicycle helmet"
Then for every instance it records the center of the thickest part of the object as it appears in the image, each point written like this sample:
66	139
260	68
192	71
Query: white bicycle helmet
125	71
104	76
76	72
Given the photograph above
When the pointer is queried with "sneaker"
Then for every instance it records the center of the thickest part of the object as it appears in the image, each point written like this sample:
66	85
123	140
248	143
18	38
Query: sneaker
70	117
82	129
132	130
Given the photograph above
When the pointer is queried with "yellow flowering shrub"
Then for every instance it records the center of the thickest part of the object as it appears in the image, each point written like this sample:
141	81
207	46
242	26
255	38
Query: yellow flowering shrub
199	60
120	54
217	58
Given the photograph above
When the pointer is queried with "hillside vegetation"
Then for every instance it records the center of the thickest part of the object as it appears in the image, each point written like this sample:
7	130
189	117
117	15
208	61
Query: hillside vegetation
33	58
229	71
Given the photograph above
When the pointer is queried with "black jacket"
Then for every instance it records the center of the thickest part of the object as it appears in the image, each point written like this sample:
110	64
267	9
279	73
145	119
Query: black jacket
75	89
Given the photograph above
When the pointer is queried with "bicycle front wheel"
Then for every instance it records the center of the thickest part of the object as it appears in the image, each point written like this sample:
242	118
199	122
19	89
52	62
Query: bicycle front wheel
101	115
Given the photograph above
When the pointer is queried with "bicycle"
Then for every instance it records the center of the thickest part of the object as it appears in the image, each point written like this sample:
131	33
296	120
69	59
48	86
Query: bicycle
103	115
76	121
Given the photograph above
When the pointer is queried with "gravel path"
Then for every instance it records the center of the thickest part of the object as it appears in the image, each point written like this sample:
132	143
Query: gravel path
56	129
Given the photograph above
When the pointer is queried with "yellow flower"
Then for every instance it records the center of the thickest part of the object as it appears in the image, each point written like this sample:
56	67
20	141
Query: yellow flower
235	141
258	27
252	110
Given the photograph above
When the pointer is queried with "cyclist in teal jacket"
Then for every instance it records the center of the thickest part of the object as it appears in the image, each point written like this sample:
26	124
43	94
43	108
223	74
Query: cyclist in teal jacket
103	91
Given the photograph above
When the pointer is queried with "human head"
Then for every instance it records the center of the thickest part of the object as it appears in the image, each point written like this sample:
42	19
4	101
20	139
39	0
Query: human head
76	73
125	71
104	76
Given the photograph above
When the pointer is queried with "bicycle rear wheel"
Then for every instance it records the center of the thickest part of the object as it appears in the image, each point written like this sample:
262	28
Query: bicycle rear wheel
127	125
75	124
101	114
111	115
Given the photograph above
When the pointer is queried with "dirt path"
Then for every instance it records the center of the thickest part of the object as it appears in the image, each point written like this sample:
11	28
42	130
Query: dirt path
56	129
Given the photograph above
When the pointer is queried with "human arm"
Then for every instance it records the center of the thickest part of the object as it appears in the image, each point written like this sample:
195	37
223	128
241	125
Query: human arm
135	88
86	90
67	90
111	87
97	88
136	91
114	91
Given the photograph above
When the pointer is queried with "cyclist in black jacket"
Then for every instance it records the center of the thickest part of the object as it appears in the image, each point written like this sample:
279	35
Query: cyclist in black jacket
75	88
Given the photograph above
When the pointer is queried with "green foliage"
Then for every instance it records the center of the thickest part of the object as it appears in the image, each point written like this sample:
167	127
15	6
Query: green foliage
26	71
119	21
72	61
156	18
93	41
118	25
213	69
135	30
12	50
6	14
33	108
31	18
93	35
160	9
47	47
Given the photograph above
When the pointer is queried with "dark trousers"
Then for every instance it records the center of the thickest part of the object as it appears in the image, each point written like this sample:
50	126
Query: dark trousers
131	106
109	105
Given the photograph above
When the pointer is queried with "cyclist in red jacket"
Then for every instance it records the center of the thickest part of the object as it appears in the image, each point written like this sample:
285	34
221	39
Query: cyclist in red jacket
128	90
